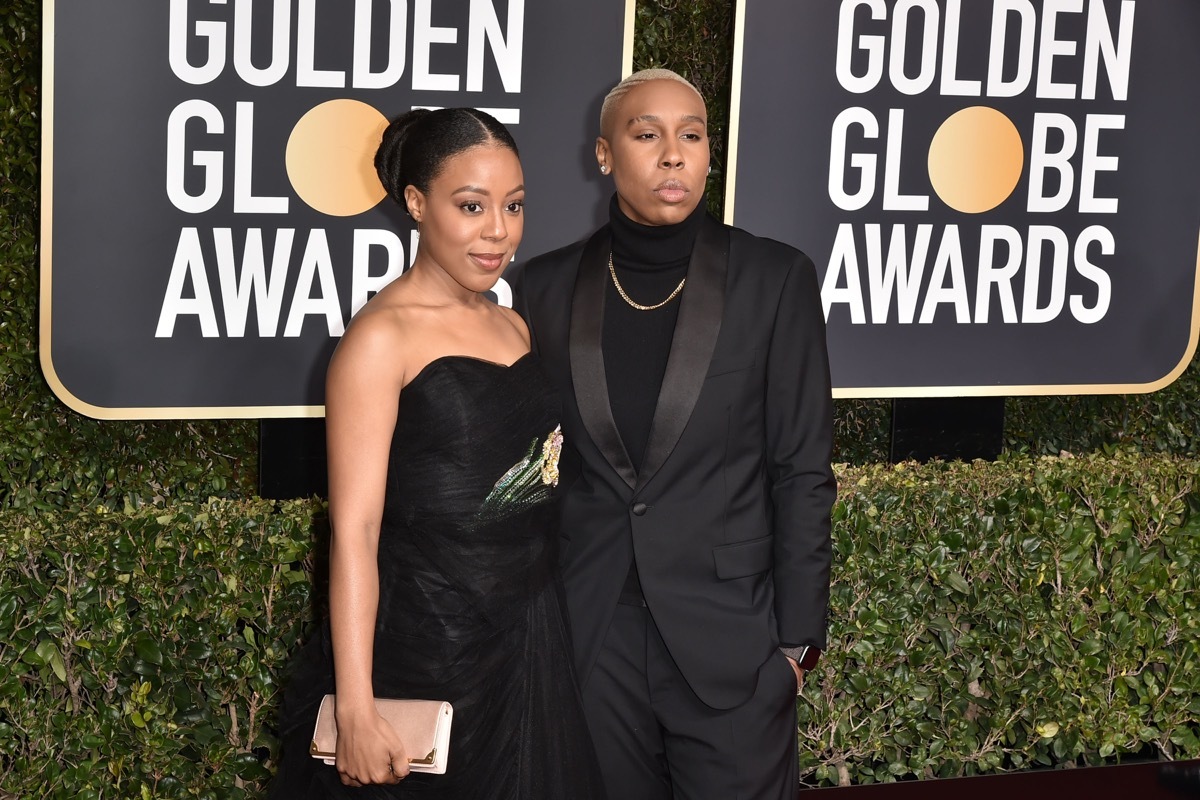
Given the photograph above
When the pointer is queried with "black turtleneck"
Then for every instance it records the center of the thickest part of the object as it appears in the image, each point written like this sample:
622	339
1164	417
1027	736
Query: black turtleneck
650	261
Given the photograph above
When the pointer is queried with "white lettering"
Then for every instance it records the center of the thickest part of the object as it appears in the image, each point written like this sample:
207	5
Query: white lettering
1051	47
281	24
503	292
244	201
307	73
863	162
843	258
952	85
316	264
1090	271
267	292
899	275
949	260
997	86
211	162
1000	277
892	199
1099	42
1039	236
928	64
189	263
1040	160
177	46
425	35
485	26
364	78
1041	257
1093	162
871	45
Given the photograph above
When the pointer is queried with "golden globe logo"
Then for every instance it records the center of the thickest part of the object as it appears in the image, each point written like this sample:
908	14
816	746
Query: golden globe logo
974	162
328	155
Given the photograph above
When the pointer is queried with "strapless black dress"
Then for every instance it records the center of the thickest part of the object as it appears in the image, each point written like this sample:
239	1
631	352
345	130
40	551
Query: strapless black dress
470	605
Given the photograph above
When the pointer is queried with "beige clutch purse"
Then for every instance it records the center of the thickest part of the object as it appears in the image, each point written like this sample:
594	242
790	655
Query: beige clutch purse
422	725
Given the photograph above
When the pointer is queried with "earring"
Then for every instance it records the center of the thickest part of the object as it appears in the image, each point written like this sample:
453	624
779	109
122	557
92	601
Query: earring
710	169
603	169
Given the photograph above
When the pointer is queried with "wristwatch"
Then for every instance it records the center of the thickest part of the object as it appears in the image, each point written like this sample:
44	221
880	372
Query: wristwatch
805	656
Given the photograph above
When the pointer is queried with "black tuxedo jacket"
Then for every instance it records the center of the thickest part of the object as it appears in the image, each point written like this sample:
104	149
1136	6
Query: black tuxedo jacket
729	516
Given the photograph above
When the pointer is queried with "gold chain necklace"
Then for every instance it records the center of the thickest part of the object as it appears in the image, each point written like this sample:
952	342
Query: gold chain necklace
621	291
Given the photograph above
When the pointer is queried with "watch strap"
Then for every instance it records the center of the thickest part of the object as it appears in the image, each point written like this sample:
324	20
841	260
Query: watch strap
805	656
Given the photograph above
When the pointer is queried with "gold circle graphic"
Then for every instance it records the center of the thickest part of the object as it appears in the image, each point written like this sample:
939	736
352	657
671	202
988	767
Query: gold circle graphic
330	157
975	159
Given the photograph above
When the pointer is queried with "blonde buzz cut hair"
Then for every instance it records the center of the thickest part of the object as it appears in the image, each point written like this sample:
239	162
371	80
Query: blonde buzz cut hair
613	98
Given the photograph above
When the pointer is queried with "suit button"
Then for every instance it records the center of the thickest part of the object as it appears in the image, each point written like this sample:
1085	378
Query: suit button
639	509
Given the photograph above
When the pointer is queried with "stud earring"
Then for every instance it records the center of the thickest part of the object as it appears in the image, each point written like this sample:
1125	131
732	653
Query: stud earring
603	169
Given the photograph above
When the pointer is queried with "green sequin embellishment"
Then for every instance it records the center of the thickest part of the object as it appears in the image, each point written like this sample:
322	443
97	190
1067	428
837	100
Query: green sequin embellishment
528	482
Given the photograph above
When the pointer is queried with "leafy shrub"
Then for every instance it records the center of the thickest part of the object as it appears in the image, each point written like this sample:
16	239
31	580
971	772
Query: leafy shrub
986	617
1032	612
141	651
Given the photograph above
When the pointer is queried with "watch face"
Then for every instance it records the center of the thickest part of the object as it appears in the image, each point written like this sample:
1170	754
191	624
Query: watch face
809	659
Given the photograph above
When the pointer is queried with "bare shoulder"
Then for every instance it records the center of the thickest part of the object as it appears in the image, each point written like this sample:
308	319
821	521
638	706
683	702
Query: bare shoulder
514	319
375	344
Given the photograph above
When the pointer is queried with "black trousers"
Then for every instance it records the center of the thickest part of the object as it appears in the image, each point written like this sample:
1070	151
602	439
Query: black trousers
657	741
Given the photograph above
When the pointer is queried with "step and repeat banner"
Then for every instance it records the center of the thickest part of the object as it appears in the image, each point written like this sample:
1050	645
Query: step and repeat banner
1001	196
210	216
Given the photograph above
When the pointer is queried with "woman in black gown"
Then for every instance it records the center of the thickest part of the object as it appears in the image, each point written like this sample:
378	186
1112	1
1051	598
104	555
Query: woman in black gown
443	445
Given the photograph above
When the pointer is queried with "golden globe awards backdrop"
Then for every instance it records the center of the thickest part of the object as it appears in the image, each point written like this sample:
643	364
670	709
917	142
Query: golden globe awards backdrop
210	216
1001	196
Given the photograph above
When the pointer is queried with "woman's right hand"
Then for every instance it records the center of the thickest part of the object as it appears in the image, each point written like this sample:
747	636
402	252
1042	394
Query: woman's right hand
369	751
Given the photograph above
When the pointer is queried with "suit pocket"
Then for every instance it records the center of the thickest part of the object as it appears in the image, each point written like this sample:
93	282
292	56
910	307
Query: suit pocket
741	559
734	363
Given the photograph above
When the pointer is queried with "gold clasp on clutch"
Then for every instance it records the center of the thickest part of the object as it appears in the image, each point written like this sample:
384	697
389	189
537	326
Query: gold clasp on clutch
427	760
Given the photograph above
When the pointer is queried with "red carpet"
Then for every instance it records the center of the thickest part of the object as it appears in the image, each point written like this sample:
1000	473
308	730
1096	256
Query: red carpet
1142	781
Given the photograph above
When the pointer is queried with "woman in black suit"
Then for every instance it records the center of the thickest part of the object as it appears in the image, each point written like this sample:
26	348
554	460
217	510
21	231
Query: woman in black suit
697	485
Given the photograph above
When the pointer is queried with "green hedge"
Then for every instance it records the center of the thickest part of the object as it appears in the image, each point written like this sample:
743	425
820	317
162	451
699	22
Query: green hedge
1033	612
141	651
1037	611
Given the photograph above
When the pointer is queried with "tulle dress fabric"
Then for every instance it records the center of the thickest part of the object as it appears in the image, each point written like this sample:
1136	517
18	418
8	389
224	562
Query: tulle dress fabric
470	606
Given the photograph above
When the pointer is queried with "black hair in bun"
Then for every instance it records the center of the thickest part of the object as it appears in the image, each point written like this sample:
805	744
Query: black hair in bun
417	144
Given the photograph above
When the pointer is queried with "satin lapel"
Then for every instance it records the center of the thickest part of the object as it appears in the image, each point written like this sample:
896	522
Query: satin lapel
587	358
691	347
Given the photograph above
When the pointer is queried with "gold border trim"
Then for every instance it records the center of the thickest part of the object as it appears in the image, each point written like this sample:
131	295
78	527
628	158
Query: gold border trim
891	392
627	52
47	186
46	262
735	107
